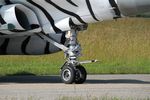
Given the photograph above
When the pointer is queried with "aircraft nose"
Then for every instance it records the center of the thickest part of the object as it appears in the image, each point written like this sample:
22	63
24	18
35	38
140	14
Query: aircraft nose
133	7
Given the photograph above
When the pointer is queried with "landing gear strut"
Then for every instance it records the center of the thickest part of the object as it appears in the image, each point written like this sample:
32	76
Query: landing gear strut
72	71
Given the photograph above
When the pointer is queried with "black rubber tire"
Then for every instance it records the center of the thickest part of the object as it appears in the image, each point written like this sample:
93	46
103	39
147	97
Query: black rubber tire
68	75
81	75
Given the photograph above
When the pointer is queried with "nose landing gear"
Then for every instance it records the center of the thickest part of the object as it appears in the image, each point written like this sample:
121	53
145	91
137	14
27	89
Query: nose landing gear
73	74
72	71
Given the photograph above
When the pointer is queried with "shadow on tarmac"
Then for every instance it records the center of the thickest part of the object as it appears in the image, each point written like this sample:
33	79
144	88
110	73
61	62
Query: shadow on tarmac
31	78
118	81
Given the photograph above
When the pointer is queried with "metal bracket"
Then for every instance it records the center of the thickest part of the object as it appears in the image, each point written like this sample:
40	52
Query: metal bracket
88	61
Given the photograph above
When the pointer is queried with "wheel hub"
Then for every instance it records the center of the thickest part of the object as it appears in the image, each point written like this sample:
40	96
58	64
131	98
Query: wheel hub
66	74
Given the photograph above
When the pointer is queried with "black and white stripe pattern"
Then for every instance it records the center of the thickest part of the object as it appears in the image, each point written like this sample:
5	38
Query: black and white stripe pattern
29	45
116	9
24	45
90	9
66	11
62	10
71	2
24	24
36	5
39	4
2	20
44	9
49	17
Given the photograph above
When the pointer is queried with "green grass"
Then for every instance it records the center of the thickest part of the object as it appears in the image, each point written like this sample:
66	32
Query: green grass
122	46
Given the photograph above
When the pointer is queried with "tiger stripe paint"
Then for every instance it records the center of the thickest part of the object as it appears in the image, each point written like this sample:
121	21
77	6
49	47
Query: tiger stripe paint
37	5
116	9
90	9
66	11
71	2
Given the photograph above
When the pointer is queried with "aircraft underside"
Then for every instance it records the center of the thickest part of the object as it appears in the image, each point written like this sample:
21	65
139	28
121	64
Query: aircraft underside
29	45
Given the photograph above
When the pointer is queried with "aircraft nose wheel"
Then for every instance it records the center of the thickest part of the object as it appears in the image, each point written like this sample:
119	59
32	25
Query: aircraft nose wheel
70	74
72	71
81	75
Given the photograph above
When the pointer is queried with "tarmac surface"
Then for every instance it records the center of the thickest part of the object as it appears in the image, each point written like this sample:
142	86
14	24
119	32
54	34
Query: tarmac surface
97	87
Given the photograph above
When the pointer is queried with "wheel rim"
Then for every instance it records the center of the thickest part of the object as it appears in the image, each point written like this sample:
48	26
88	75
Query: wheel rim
66	75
